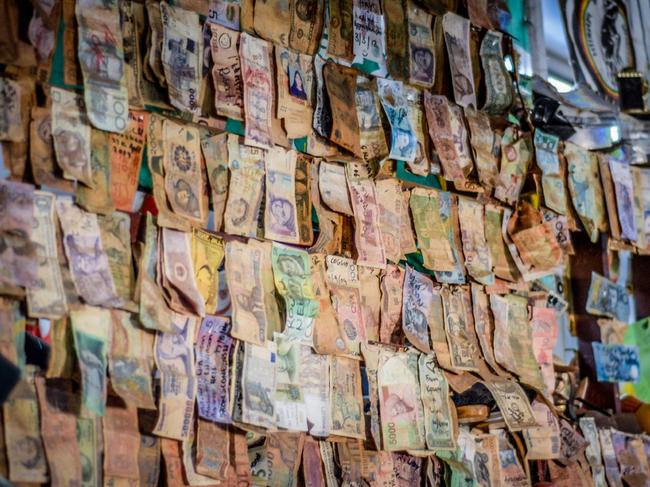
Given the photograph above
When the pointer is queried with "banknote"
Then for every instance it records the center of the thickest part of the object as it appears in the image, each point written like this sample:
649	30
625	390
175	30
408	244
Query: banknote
179	270
616	363
181	56
130	360
368	37
272	21
459	326
91	331
484	325
132	19
513	403
189	461
370	300
172	455
295	80
503	353
115	232
340	30
215	154
226	72
612	331
213	451
391	284
347	407
449	136
422	61
314	380
306	26
430	229
499	94
155	162
607	298
422	164
89	265
374	148
585	189
174	357
121	441
126	153
487	467
91	446
367	235
407	240
486	146
224	12
12	337
457	40
312	465
46	299
207	256
22	438
322	122
516	156
543	441
98	197
329	222
502	263
213	349
403	145
396	387
520	340
101	57
641	205
417	309
289	402
343	282
590	433
329	333
397	39
62	359
11	120
249	276
478	261
280	218
283	452
560	225
544	326
548	160
58	412
341	83
370	353
512	473
333	187
572	443
610	462
41	152
247	174
537	248
292	275
255	58
303	199
184	182
71	132
259	384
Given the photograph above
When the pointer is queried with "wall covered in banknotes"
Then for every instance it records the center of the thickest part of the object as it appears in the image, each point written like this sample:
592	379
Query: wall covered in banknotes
299	242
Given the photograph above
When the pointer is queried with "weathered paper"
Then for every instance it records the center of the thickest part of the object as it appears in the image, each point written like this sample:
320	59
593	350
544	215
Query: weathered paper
548	160
449	136
369	40
250	281
340	30
91	446
347	407
101	56
343	281
121	442
430	229
606	298
11	120
513	403
392	281
181	56
417	311
207	256
457	38
333	187
544	332
329	222
280	219
41	152
88	262
502	263
543	441
585	188
247	175
371	132
115	232
459	327
184	182
438	418
475	247
259	384
98	198
59	433
498	85
512	473
624	186
62	358
91	328
130	361
422	59
126	152
486	147
215	153
403	144
179	271
516	156
484	325
255	58
314	380
398	401
341	85
47	298
174	356
213	450
367	235
487	466
289	403
226	72
71	132
422	165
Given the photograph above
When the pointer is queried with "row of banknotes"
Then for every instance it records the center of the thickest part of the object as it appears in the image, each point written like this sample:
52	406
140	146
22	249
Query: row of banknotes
282	309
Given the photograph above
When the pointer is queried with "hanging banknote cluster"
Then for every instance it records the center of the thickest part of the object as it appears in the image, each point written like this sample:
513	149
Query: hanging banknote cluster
290	243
